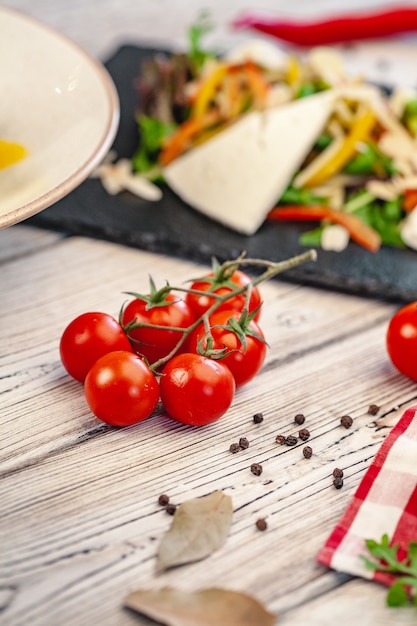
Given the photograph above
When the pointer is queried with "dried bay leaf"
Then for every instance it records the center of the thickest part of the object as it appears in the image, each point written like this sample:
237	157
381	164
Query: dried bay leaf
207	607
199	527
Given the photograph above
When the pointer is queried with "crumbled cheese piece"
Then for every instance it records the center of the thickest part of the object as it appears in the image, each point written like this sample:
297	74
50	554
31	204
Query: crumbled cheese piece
117	177
399	99
259	51
382	189
278	94
335	237
408	229
327	63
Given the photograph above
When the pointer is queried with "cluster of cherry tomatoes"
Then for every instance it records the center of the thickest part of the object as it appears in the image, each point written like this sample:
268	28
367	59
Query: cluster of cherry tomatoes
189	348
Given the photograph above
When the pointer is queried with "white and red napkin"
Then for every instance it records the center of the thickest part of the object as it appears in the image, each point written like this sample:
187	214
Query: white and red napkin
384	503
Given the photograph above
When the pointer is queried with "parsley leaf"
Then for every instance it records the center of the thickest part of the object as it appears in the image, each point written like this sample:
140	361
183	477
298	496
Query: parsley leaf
403	592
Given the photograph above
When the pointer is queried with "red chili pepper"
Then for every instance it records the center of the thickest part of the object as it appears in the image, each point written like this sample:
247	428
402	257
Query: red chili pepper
369	25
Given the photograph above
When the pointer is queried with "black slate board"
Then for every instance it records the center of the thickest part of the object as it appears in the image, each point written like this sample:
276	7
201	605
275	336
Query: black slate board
171	227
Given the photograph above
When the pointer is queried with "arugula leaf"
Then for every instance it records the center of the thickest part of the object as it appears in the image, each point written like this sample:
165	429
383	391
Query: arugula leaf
385	219
196	54
152	135
311	238
370	160
403	591
292	195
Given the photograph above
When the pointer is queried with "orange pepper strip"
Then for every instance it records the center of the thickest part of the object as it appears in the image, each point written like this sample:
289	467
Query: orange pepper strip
410	200
256	82
360	232
178	142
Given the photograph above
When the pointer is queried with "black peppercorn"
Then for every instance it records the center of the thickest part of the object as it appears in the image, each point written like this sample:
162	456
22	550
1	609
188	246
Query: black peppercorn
338	482
258	418
290	440
170	509
373	409
256	468
261	524
299	419
346	421
163	499
337	473
304	434
280	439
234	447
243	443
308	452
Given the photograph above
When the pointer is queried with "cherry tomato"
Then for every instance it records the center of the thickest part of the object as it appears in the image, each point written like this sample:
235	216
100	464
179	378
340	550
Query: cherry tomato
243	362
200	304
88	337
402	340
196	390
154	343
120	389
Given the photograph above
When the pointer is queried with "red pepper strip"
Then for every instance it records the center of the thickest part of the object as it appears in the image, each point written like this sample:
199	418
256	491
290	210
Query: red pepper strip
369	25
360	232
300	212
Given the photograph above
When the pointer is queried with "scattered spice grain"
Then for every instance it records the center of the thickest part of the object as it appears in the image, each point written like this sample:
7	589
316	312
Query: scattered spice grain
234	447
304	434
163	499
170	509
261	524
337	473
258	418
299	419
290	440
346	421
280	439
243	443
373	409
307	452
256	469
338	482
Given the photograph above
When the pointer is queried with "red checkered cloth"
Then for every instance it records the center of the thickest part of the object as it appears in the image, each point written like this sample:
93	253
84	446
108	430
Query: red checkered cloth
384	503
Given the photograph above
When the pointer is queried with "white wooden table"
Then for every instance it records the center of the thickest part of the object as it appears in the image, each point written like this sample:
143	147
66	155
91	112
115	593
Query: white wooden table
80	520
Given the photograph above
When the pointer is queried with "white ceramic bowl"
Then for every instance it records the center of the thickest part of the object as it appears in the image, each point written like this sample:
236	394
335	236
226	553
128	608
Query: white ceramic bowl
60	104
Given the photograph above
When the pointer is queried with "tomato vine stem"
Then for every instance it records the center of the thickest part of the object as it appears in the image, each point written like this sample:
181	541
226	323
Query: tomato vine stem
272	269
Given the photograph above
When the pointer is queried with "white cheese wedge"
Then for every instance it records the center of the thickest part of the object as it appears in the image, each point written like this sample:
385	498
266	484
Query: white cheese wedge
237	176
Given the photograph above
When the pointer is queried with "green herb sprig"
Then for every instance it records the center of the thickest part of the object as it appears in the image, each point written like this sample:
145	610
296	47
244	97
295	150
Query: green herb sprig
403	591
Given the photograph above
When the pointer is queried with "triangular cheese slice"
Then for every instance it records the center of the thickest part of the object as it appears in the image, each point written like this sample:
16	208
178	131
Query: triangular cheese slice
237	176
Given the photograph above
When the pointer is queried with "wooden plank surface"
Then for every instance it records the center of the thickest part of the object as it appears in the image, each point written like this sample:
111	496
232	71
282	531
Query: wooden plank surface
80	522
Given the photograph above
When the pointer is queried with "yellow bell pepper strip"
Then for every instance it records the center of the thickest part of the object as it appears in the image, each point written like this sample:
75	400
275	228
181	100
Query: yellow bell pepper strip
293	74
207	90
360	232
10	153
180	140
359	132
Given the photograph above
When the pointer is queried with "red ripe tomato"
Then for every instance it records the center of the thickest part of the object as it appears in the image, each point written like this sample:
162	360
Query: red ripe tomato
88	337
200	304
196	390
401	340
244	363
120	389
155	343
